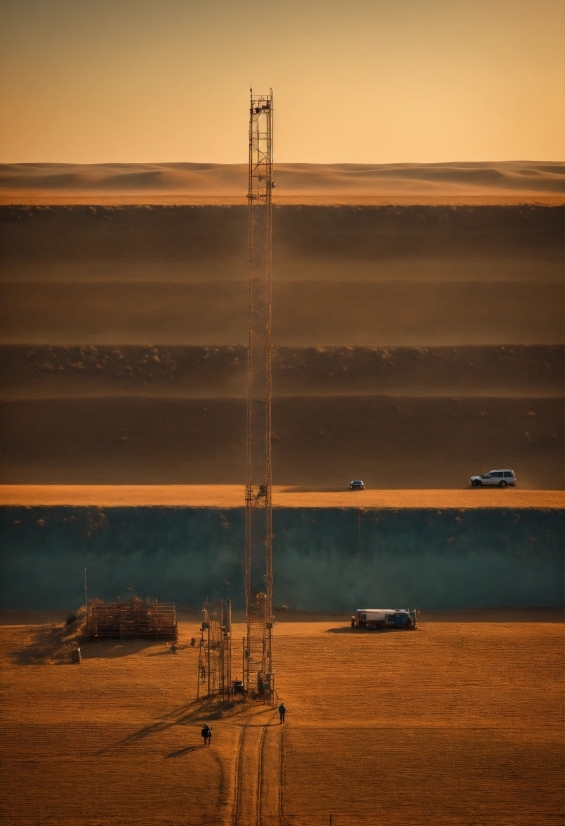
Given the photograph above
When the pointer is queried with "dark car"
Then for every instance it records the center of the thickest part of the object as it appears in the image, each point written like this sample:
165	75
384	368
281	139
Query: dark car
357	484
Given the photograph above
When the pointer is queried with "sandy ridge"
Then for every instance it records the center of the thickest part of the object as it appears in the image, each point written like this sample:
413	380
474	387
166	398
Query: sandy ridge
511	181
232	496
104	281
151	199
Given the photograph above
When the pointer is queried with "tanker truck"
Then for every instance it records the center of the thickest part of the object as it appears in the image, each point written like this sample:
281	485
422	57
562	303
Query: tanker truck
378	619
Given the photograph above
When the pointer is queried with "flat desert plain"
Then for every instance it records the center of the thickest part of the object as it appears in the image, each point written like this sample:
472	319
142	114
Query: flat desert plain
456	723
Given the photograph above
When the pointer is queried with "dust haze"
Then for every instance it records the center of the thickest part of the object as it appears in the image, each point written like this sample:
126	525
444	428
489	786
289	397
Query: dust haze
414	345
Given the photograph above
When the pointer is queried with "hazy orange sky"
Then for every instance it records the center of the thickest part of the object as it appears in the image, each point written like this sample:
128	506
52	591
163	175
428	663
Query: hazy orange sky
359	81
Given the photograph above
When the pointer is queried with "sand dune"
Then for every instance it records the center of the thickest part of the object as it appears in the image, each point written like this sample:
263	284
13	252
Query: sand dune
162	244
401	417
414	345
211	372
319	441
305	313
415	276
412	417
522	179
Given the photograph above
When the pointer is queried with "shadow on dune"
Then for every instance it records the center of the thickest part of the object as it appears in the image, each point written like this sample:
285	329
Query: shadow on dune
44	647
194	714
196	711
303	489
54	645
185	750
350	630
115	648
163	652
345	630
188	713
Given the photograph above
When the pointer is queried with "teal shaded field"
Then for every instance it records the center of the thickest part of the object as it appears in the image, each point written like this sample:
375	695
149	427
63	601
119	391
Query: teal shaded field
324	559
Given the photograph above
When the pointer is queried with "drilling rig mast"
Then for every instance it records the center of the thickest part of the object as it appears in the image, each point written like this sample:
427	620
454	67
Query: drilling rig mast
258	675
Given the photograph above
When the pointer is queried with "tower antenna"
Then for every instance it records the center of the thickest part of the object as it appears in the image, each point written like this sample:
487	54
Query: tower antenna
258	503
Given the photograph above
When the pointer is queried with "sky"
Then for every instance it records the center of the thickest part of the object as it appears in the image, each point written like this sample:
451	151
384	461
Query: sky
354	81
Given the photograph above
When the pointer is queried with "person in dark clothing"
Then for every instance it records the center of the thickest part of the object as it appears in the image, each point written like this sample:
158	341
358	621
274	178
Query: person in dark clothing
207	735
282	712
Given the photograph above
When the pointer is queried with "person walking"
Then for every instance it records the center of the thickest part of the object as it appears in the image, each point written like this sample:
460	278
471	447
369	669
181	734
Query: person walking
207	735
282	712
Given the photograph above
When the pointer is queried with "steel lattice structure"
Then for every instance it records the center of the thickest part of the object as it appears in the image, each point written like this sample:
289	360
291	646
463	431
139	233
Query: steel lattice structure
258	505
214	655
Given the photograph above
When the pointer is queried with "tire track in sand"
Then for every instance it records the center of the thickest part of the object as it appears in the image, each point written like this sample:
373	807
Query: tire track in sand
237	777
257	793
260	760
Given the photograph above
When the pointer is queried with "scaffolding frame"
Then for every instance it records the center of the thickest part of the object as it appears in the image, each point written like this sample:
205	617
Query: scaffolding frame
258	674
137	619
214	654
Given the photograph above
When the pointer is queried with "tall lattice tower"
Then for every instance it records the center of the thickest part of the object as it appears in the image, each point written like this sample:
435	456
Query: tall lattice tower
258	514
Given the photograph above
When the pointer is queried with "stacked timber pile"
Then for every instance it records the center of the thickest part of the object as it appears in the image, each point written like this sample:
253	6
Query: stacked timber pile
135	619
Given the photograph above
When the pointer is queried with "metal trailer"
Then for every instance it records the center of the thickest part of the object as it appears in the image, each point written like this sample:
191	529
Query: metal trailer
378	619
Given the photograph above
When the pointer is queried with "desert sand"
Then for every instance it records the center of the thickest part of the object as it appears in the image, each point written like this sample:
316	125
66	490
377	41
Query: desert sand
233	496
380	728
414	345
192	183
418	332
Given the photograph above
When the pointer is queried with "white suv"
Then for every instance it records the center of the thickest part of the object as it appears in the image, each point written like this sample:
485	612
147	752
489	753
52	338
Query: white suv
494	478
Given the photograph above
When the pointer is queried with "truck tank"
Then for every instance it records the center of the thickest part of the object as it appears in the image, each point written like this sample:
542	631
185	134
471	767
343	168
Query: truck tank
378	619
